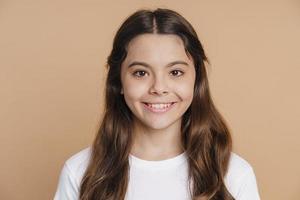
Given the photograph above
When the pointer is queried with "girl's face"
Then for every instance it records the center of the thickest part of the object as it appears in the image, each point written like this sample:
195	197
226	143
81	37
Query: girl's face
157	80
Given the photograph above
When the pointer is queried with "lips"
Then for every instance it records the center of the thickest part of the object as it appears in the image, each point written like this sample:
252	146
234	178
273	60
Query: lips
158	107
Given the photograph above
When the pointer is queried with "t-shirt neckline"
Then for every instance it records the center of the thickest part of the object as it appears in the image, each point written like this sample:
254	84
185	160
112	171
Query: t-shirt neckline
157	164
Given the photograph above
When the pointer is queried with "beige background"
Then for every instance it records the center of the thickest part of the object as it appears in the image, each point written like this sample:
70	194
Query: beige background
52	57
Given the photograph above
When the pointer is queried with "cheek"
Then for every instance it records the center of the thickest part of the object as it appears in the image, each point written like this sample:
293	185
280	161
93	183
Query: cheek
133	91
185	89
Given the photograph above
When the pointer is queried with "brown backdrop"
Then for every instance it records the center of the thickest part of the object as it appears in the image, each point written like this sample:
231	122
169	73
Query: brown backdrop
52	57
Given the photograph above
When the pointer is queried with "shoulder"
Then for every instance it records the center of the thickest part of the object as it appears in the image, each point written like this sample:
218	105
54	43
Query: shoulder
78	162
80	158
75	166
71	175
238	165
240	178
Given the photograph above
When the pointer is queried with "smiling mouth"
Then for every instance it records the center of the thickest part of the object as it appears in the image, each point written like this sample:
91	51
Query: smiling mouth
159	107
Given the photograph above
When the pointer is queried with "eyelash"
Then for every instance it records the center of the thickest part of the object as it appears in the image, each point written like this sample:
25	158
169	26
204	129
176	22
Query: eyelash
135	73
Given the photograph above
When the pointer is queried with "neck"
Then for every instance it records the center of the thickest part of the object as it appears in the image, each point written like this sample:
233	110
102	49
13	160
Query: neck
156	144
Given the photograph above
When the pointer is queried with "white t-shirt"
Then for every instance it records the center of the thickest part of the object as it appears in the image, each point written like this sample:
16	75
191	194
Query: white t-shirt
158	180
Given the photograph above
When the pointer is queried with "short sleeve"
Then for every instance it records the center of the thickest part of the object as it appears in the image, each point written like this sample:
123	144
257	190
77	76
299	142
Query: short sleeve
248	189
66	189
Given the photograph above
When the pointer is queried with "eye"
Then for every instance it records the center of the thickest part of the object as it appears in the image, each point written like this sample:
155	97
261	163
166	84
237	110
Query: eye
139	73
177	72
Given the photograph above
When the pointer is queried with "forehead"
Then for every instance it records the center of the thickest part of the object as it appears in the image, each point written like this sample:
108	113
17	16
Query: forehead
156	48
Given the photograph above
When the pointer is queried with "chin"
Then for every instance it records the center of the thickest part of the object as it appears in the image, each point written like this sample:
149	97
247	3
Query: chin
154	125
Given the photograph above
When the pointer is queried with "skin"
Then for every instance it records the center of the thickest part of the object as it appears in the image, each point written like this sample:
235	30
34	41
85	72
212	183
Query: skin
157	135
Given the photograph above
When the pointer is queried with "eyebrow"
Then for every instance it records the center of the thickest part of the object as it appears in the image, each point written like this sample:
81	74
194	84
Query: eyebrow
147	65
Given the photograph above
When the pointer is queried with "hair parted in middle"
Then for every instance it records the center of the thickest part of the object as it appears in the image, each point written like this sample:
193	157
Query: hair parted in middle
204	133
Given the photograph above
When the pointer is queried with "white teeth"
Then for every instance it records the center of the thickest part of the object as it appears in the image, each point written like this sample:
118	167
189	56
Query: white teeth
159	106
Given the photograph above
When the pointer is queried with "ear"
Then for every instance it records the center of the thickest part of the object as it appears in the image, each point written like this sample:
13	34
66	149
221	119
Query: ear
122	92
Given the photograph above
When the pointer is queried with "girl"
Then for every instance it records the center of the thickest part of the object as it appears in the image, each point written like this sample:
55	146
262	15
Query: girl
161	137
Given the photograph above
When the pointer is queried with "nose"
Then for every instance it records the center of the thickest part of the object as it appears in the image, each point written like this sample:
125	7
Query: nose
159	86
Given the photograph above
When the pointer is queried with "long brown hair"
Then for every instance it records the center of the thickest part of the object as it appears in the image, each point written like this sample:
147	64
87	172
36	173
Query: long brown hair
205	136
